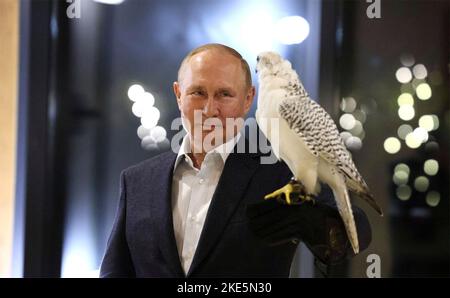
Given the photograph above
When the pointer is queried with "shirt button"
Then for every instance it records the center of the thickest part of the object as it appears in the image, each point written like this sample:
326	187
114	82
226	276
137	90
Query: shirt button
193	218
201	180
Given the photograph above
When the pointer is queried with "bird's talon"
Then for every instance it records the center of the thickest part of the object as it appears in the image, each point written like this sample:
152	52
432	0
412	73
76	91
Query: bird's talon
283	195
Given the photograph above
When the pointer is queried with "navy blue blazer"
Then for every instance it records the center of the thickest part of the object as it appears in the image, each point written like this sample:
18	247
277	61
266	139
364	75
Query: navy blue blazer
142	241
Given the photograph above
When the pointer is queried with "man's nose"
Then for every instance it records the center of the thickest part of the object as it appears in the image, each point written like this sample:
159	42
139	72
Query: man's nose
211	108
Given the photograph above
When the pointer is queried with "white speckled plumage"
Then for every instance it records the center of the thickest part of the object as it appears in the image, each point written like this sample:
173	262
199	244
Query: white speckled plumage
307	138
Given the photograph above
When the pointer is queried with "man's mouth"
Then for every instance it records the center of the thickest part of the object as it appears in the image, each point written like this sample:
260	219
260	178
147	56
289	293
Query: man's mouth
211	127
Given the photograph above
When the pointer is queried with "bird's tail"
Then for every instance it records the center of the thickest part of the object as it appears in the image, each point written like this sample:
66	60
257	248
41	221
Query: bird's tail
362	190
346	212
368	197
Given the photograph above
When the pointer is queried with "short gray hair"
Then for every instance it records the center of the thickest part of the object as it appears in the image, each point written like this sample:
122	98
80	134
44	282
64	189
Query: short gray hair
227	49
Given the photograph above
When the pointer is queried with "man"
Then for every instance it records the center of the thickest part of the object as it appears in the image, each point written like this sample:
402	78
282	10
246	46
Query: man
199	213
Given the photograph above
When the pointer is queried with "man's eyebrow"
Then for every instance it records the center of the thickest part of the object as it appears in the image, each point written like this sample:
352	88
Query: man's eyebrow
226	89
195	87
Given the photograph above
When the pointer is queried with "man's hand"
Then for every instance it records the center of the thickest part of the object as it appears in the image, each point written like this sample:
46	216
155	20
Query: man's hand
317	225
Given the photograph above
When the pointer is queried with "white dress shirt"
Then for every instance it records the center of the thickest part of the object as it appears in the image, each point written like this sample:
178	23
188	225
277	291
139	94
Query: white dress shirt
192	191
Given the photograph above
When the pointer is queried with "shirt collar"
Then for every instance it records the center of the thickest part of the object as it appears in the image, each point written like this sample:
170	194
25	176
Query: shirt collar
222	150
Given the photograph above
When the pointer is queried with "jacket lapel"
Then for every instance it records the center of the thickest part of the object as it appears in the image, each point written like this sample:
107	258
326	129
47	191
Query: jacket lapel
237	173
162	213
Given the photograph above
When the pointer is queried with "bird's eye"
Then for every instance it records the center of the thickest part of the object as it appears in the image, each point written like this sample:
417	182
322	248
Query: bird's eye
257	59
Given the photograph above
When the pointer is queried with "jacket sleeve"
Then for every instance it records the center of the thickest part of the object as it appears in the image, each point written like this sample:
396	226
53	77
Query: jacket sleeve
117	259
318	225
328	238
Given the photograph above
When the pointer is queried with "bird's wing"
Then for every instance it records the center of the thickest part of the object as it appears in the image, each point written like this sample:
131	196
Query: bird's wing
316	128
320	134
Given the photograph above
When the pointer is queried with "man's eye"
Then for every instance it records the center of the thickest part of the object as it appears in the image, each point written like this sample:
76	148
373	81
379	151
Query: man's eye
226	94
197	93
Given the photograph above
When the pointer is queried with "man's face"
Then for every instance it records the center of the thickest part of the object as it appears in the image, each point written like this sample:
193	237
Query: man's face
213	84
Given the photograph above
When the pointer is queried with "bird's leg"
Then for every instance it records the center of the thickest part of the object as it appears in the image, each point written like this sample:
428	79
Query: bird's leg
294	193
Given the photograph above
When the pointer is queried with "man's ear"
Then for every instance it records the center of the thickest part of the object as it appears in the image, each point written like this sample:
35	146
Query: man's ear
249	99
177	92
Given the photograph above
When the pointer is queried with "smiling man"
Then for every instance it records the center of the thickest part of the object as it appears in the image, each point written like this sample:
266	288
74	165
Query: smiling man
200	212
214	83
